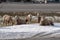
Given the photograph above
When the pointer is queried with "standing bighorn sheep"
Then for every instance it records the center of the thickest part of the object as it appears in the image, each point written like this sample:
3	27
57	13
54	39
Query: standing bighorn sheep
28	19
19	20
7	20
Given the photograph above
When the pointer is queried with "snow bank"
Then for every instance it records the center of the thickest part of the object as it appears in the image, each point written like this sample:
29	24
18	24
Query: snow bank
29	30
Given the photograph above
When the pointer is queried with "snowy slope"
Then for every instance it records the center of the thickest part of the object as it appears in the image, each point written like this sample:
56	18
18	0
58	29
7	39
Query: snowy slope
29	30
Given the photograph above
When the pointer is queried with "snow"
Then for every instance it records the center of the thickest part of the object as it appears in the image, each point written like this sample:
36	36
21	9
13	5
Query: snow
29	30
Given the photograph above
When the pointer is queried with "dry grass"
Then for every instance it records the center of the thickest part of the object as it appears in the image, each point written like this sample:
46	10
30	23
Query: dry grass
26	13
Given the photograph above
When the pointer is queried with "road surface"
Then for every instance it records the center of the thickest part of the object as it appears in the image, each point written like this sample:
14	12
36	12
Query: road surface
17	7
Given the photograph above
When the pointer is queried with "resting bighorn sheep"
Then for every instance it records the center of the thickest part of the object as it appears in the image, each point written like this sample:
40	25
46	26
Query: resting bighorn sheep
45	21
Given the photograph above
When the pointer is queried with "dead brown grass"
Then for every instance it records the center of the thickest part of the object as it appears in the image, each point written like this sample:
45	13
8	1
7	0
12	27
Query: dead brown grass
26	13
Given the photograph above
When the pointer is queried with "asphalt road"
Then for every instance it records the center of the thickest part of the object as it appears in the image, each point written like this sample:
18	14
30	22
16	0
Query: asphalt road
17	7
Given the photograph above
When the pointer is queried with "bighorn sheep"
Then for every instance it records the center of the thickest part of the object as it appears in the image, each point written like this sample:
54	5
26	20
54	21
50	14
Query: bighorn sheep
19	20
7	20
45	21
28	18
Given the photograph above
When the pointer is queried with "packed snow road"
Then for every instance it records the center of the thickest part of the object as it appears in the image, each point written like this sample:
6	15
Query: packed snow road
30	31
